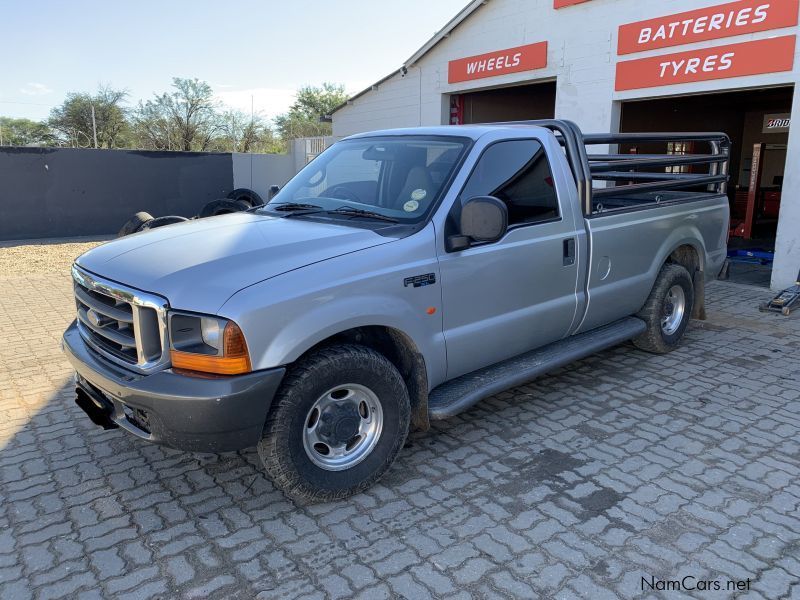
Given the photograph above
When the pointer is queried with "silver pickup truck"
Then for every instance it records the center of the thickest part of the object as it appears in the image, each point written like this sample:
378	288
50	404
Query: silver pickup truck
401	277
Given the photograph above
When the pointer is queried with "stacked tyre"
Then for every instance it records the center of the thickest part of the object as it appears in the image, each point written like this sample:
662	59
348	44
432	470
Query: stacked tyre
135	223
143	221
246	195
238	200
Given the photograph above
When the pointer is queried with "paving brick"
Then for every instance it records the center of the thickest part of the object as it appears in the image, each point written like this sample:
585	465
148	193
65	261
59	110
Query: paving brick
433	578
472	571
566	487
404	586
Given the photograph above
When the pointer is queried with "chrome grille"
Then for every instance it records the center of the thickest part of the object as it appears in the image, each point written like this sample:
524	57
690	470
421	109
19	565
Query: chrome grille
124	325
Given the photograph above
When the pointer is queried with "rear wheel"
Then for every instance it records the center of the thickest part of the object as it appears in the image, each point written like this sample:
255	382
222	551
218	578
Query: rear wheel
667	311
336	425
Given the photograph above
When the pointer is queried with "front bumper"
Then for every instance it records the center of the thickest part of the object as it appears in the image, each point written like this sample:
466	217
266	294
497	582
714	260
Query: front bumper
187	413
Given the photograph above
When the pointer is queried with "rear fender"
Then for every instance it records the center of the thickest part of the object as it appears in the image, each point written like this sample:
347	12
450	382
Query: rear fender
684	236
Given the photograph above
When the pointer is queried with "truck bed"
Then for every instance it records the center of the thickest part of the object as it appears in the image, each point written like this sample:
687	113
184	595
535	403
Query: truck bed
611	203
611	175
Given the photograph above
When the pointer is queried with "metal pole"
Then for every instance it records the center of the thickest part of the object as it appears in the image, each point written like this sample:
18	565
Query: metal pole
94	128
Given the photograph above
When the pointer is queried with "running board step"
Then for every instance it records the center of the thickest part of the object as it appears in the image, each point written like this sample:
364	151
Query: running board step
461	393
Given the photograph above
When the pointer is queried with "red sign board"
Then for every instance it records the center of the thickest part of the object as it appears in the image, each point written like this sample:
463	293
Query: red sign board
711	23
562	3
501	62
771	55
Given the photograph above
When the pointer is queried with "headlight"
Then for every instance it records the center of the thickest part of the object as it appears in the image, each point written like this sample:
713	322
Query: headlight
207	344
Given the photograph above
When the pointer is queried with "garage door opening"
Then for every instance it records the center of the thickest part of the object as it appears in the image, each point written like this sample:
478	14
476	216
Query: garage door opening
757	122
536	101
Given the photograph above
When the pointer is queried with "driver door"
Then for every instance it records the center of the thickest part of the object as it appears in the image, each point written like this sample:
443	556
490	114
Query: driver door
505	298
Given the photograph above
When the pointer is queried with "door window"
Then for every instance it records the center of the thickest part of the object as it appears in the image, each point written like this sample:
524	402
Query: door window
518	173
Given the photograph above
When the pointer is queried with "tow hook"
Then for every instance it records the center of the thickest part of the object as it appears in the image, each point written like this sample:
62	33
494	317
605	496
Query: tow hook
98	412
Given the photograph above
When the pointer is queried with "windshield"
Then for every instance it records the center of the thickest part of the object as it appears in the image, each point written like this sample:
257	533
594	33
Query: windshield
396	179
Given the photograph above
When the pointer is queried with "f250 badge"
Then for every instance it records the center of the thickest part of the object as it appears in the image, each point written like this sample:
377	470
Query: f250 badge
420	280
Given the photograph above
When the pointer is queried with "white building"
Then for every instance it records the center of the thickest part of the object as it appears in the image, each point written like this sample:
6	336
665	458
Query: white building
621	65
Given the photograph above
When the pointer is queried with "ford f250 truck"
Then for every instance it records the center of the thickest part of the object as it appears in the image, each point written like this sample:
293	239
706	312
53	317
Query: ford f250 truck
401	277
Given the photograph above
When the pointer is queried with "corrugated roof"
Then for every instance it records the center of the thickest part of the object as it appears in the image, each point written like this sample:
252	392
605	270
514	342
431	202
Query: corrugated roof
440	35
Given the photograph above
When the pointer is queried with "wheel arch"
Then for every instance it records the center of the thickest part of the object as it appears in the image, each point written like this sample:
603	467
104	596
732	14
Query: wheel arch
689	256
684	247
401	351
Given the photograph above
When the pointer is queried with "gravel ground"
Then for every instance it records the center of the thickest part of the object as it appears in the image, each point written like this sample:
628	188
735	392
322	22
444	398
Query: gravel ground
40	257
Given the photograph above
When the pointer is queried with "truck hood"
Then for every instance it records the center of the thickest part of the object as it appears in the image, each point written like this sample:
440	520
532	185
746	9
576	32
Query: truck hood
198	265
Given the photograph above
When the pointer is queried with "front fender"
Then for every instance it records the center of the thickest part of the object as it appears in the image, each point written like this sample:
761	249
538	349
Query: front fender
286	316
297	336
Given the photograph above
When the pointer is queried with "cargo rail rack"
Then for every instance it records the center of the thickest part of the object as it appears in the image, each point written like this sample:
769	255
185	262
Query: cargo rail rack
645	175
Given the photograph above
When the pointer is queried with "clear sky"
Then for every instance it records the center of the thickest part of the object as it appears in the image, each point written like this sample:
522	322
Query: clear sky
265	49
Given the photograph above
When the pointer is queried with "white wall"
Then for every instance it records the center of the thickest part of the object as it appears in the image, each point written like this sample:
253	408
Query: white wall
396	103
259	171
787	246
582	57
305	149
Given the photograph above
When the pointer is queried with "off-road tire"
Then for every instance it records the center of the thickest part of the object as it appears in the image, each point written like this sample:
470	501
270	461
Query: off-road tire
246	195
162	221
281	447
135	223
655	339
223	206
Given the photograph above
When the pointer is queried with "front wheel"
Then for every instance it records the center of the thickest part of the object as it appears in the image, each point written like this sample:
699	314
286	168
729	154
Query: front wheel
667	310
336	425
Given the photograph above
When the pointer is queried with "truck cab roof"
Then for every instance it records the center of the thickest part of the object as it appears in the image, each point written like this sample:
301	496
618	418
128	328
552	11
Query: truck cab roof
469	131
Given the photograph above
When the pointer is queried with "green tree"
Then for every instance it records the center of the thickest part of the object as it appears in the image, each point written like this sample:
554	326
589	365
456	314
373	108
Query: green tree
24	132
73	119
240	132
311	103
184	119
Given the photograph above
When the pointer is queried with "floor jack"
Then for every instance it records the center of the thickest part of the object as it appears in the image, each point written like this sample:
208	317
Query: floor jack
785	302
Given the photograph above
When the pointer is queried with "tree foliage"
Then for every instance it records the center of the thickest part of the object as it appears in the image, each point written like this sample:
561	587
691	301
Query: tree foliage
73	119
24	132
311	103
187	118
240	132
184	119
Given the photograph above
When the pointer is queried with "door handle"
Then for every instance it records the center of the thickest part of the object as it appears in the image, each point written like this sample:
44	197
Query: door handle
569	252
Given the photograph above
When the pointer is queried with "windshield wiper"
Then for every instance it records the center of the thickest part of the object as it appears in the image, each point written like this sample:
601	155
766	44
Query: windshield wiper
302	208
292	206
295	209
360	212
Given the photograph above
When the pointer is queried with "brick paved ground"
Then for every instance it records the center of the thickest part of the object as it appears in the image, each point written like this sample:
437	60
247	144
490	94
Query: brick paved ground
622	466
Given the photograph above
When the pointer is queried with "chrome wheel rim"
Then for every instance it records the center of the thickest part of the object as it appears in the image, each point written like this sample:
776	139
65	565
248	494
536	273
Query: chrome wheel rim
674	310
342	427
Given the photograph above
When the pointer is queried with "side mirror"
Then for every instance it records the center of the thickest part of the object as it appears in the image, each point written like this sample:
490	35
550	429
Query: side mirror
273	191
483	219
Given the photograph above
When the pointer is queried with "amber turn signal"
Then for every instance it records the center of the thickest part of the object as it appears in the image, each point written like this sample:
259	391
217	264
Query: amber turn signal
235	358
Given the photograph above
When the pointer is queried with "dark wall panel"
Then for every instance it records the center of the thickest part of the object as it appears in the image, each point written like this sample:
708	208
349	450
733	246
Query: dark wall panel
536	101
65	192
724	112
